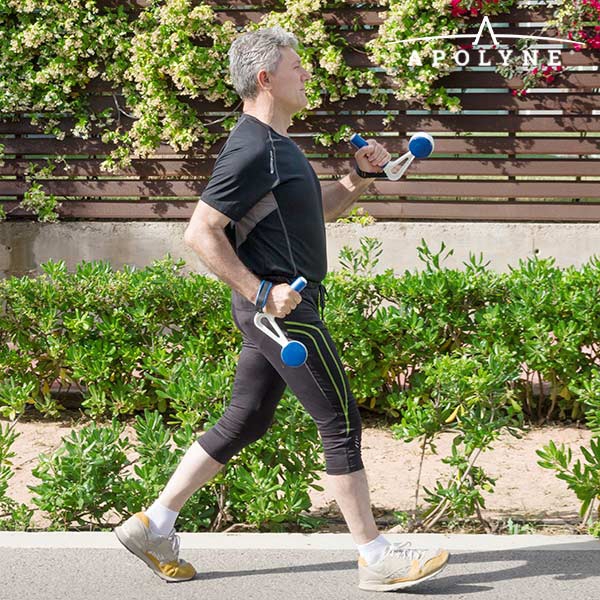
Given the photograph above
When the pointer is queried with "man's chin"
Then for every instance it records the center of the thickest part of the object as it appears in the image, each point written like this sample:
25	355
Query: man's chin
303	104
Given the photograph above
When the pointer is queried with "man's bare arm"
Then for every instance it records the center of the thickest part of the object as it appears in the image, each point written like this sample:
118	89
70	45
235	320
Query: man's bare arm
205	234
339	195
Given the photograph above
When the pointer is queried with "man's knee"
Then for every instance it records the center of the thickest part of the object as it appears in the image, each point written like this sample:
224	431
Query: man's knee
342	449
226	438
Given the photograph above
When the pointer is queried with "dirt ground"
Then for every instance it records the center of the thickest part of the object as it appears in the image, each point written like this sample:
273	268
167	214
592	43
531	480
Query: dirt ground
524	491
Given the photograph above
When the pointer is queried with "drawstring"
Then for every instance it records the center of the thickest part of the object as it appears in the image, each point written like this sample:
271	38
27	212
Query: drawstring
322	295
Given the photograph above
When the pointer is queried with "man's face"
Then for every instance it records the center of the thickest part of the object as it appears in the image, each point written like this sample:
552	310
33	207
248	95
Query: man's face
287	82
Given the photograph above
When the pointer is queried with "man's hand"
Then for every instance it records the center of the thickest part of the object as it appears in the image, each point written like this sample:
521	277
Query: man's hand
372	158
282	300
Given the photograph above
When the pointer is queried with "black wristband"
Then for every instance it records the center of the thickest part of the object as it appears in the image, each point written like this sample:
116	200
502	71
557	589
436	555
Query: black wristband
365	174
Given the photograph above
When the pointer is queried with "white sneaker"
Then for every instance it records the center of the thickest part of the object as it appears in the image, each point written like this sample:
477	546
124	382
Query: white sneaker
400	567
159	552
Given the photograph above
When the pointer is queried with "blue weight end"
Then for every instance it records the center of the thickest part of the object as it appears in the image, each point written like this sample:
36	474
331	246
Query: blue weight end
358	142
420	145
294	354
299	284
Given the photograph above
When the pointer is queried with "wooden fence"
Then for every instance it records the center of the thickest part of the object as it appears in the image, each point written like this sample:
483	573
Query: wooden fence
532	158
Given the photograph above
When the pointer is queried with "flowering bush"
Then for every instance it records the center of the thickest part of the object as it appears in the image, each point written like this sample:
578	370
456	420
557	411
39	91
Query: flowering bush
161	58
321	50
580	20
176	52
167	55
422	18
572	17
473	8
50	51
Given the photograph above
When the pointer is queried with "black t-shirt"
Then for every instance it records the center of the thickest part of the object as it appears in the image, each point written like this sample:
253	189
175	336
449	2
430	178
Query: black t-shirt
263	182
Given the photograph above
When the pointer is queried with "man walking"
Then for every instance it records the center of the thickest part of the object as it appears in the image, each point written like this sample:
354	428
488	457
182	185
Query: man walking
260	224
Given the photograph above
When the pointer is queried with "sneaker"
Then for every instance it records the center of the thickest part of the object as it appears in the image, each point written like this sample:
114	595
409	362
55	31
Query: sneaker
159	552
400	567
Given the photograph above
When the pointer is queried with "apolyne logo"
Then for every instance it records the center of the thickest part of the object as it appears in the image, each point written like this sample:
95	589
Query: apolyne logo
462	58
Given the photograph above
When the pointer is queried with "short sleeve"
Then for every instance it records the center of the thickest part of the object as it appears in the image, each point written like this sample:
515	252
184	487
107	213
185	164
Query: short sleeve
242	175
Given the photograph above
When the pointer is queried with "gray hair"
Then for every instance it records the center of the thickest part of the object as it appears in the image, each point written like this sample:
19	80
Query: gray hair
253	51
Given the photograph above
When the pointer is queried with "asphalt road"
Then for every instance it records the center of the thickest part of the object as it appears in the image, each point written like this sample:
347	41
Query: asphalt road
557	572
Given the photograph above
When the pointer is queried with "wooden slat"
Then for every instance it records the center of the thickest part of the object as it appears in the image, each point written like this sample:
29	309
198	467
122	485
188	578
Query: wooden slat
442	188
475	144
346	16
487	167
450	123
491	79
479	145
198	168
533	14
88	167
365	12
402	210
142	209
578	104
487	189
432	123
568	102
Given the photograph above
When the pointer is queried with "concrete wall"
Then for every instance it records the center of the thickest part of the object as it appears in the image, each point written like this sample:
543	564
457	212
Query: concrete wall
25	245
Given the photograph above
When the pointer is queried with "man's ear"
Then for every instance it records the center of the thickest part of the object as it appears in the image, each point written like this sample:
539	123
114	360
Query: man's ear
263	79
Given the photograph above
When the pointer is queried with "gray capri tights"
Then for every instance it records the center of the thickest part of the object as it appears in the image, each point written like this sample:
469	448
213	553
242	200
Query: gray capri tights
320	385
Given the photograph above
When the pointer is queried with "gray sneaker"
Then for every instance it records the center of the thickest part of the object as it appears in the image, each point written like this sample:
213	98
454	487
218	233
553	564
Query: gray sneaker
159	552
400	567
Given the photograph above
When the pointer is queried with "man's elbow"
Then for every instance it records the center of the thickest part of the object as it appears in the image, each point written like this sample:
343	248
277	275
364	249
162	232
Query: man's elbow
192	235
188	237
203	232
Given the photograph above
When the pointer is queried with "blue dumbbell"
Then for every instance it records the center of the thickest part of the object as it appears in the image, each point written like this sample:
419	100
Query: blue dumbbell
420	145
293	353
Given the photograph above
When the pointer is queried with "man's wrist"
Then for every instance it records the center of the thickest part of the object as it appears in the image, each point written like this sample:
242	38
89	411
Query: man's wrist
359	182
365	174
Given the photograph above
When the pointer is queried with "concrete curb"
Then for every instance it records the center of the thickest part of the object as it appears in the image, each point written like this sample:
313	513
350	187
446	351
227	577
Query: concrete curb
312	541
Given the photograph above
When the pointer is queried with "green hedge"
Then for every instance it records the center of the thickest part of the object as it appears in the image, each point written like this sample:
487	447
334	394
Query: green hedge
155	338
435	350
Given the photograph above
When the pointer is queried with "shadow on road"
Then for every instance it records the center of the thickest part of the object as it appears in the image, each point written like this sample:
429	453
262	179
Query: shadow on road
482	569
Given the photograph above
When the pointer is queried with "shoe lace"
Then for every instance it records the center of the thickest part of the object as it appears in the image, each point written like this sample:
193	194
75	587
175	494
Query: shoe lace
175	541
404	550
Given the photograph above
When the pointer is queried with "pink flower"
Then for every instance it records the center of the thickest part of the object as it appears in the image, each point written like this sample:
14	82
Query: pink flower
577	47
514	92
535	71
550	78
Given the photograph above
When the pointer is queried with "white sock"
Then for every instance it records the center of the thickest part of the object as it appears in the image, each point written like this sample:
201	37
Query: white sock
162	519
373	550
